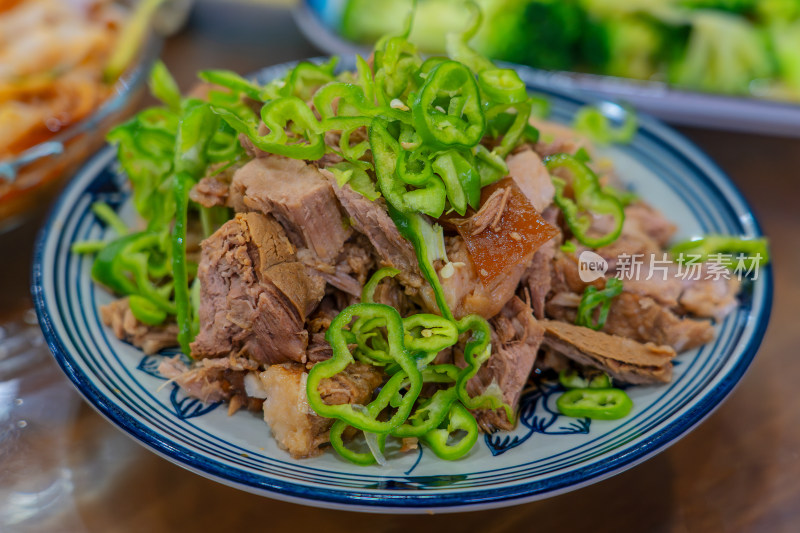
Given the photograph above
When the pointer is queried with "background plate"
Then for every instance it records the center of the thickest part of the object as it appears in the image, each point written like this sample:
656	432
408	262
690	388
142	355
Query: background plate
545	455
318	20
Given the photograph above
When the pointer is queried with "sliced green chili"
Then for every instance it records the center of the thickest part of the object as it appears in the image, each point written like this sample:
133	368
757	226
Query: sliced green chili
725	248
572	379
104	212
599	404
359	458
592	122
368	292
589	198
461	180
438	121
459	419
146	311
502	85
592	297
342	357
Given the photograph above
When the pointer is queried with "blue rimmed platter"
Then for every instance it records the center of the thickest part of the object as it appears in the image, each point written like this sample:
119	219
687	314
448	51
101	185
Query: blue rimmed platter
547	454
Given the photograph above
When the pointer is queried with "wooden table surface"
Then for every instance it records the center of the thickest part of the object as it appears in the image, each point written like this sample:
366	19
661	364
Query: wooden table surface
738	471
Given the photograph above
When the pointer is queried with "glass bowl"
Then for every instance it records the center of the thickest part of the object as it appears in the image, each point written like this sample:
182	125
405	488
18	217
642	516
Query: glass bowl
31	179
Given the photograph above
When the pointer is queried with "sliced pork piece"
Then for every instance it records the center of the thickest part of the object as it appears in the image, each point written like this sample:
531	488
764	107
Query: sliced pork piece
255	295
537	279
372	220
505	232
639	318
531	176
318	323
665	290
697	291
644	234
213	380
151	339
625	360
213	190
350	270
632	242
695	295
651	221
644	320
516	337
210	192
708	296
565	276
298	196
293	423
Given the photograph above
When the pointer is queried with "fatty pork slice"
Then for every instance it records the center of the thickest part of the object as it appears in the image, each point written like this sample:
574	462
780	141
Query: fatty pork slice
516	336
493	250
151	339
463	289
255	296
529	173
294	425
298	196
372	220
625	360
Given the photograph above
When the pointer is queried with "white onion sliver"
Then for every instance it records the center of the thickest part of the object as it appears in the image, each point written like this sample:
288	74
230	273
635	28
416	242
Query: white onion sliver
372	442
253	386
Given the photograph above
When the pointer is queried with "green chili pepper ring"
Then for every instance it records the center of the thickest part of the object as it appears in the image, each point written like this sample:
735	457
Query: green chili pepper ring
599	404
342	357
460	124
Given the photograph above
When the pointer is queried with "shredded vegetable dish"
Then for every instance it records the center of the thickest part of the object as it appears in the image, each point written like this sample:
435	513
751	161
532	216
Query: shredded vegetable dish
386	258
52	56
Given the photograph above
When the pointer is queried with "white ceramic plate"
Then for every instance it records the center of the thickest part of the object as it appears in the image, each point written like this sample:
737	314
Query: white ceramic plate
547	454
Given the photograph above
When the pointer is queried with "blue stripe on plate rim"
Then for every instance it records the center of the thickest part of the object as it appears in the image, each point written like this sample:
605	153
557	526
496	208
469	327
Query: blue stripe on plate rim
731	213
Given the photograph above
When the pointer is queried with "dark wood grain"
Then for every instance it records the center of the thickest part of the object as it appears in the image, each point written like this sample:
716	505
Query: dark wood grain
738	471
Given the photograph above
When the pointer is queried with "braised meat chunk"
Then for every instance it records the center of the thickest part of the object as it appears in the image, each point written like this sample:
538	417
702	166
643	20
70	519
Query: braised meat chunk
151	339
213	380
255	296
639	318
372	220
516	337
298	196
463	288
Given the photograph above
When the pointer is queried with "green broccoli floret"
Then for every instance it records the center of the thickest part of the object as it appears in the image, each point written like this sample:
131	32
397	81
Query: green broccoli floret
656	9
547	34
628	46
731	6
724	53
778	11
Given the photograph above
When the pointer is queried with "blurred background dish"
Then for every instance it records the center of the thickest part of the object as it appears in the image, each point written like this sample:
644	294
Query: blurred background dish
732	64
64	81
